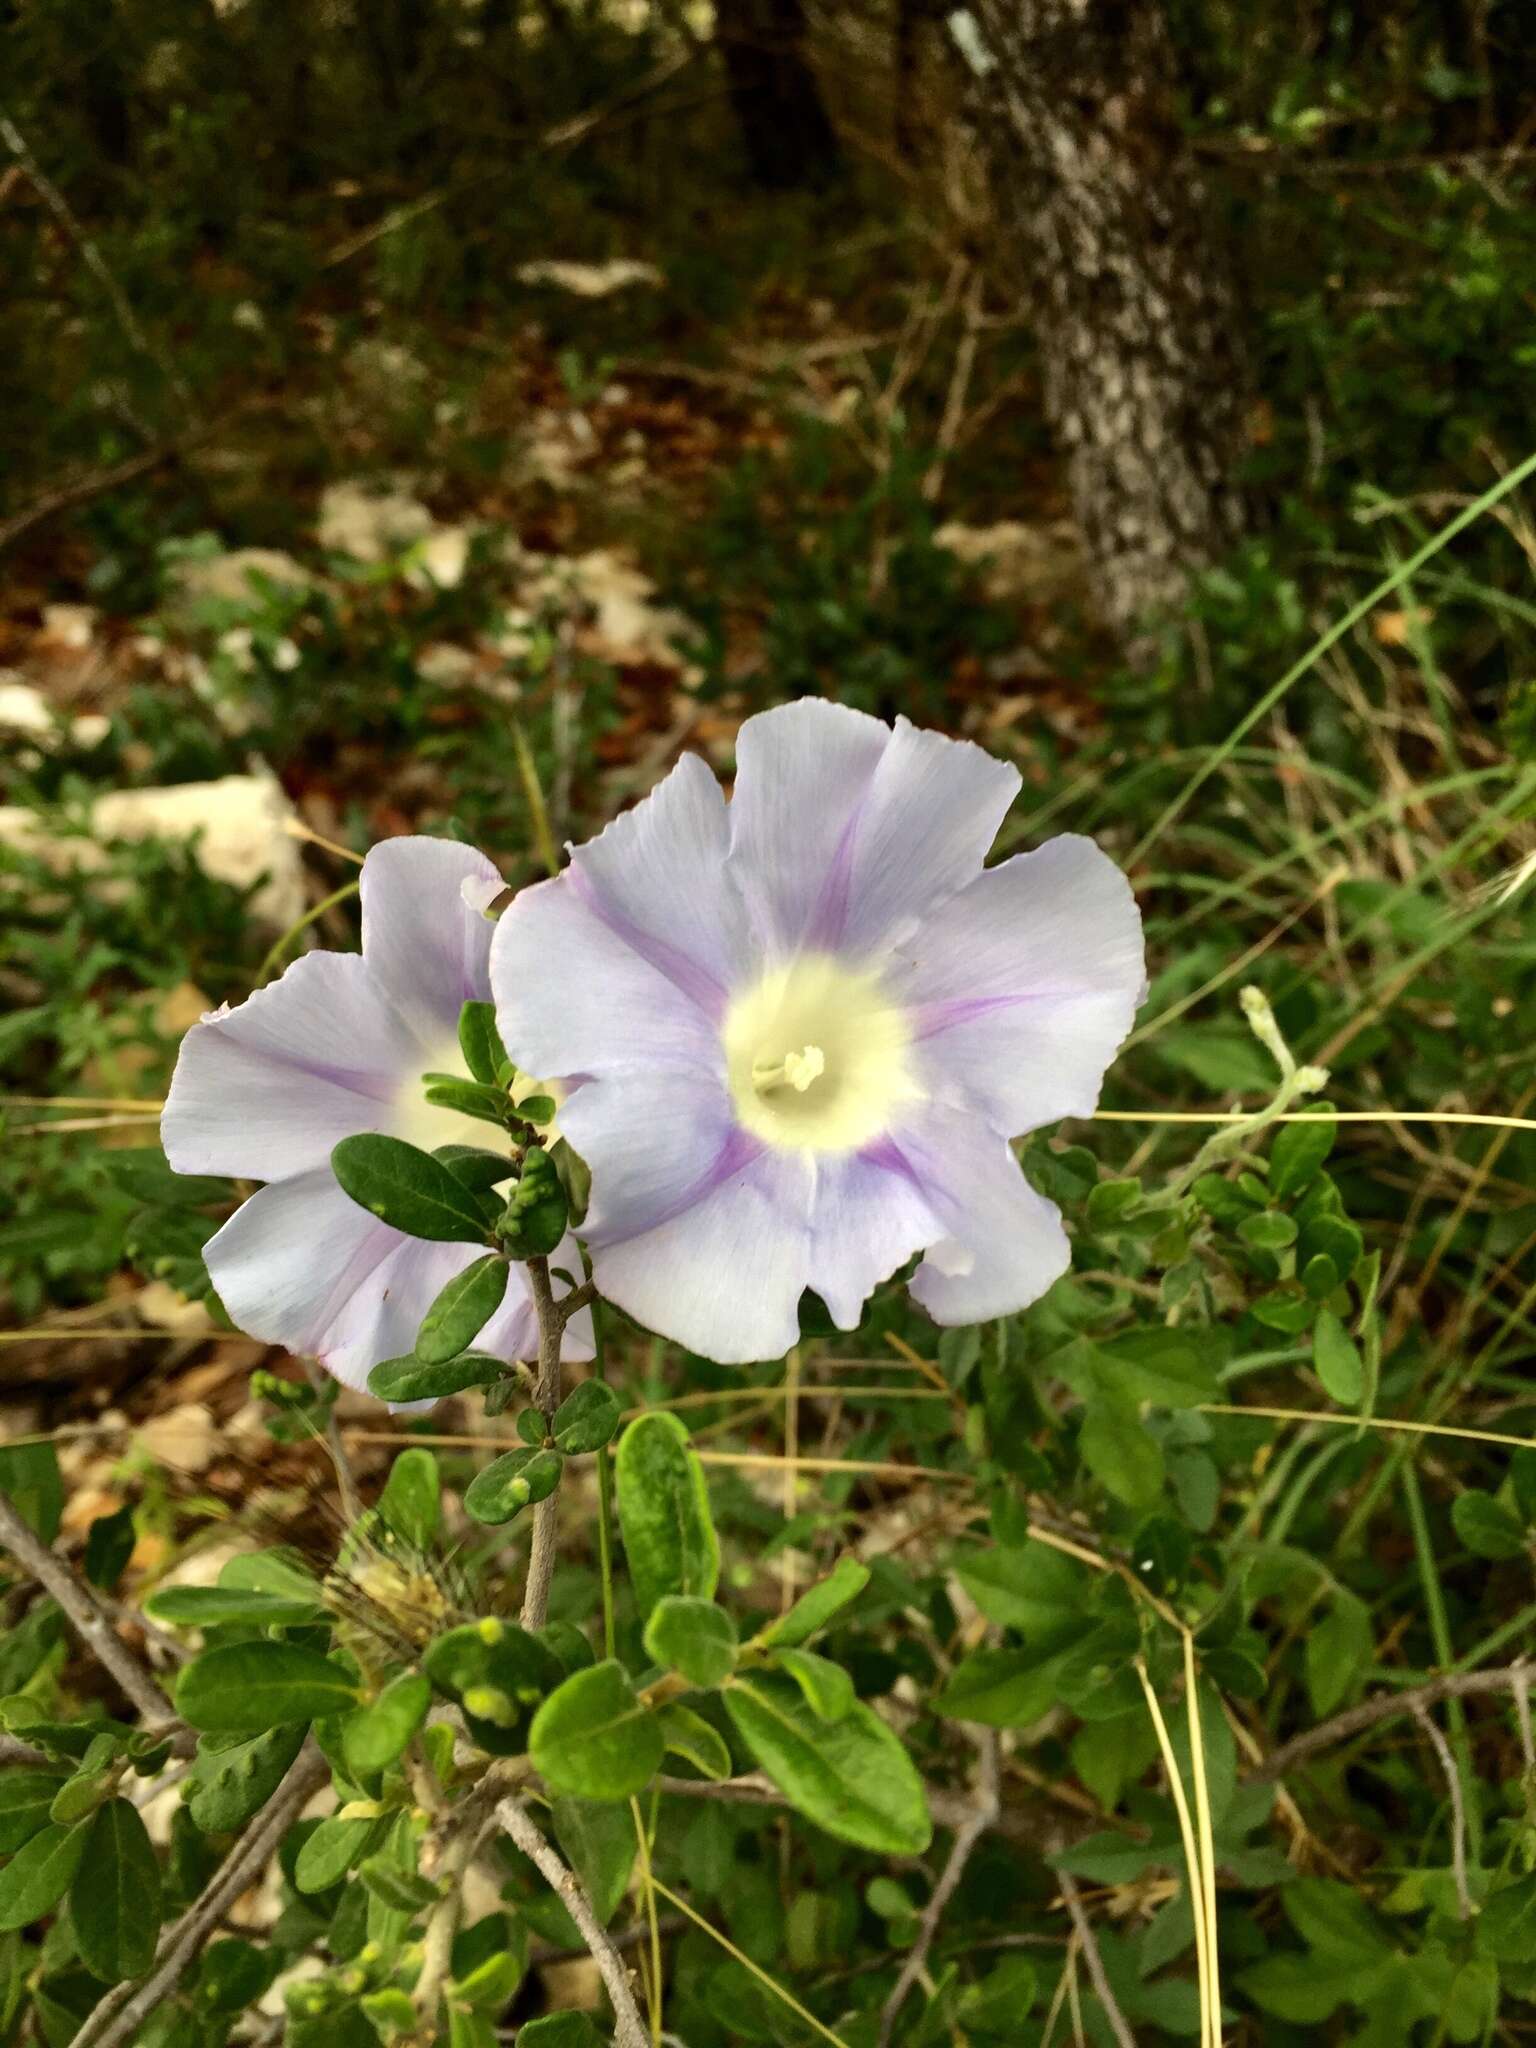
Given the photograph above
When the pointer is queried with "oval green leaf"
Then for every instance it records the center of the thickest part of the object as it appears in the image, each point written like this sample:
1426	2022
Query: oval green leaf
851	1777
115	1900
511	1483
586	1419
407	1379
246	1688
39	1874
694	1637
595	1738
408	1189
462	1310
669	1535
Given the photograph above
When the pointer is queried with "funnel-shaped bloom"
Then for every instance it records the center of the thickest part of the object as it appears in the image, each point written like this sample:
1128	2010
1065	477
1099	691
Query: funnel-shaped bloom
336	1046
800	1031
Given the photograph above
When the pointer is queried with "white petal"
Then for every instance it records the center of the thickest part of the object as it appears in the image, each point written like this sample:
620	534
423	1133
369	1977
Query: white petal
428	946
267	1089
1025	987
1004	1244
844	832
724	1277
623	962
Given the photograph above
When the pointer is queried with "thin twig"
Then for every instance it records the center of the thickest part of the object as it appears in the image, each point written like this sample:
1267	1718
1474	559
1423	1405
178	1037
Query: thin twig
80	1610
1522	1690
457	1838
982	1815
346	1482
1095	1962
629	2029
1453	1685
116	2022
1442	1750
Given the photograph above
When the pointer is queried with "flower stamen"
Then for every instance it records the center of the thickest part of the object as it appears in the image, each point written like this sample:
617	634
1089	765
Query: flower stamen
797	1069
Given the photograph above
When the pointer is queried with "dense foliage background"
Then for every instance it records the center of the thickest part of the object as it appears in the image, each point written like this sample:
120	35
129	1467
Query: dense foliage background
576	411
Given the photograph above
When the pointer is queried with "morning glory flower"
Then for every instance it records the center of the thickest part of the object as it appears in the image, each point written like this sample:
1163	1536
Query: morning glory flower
336	1046
799	1032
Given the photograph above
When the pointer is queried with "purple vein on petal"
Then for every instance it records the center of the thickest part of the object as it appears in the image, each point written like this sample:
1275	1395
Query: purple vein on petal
669	961
928	1019
829	919
739	1151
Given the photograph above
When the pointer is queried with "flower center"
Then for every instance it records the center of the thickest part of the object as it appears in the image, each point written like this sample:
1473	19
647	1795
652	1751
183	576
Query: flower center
429	1124
816	1056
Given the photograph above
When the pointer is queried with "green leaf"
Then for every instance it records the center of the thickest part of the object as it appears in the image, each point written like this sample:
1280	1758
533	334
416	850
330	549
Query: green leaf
402	1891
827	1687
232	1974
26	1800
209	1606
29	1478
1271	1230
412	1500
1486	1526
409	1189
510	1483
1035	1590
600	1845
468	1098
272	1571
389	2012
376	1734
232	1780
109	1543
1506	1927
244	1688
40	1873
1300	1149
1118	1450
594	1738
462	1310
475	1166
560	2030
1336	1358
851	1777
669	1535
480	1042
819	1603
1173	1368
586	1419
470	2030
690	1736
331	1850
694	1637
999	1688
407	1379
492	1985
991	2009
114	1901
1339	1652
80	1796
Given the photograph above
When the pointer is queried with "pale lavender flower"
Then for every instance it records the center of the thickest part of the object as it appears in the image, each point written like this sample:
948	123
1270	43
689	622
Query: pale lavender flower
799	1032
336	1046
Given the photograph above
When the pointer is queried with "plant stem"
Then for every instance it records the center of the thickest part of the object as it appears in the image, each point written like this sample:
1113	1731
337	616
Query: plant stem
117	2021
629	2028
85	1617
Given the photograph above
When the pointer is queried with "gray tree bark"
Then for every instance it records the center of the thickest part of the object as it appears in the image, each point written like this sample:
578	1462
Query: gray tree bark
1131	294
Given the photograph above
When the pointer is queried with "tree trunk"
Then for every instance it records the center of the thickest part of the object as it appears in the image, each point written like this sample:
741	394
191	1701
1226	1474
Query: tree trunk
1094	189
789	139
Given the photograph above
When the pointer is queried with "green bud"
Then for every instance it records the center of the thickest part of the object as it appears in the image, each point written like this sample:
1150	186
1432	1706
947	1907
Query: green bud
536	1216
490	1703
